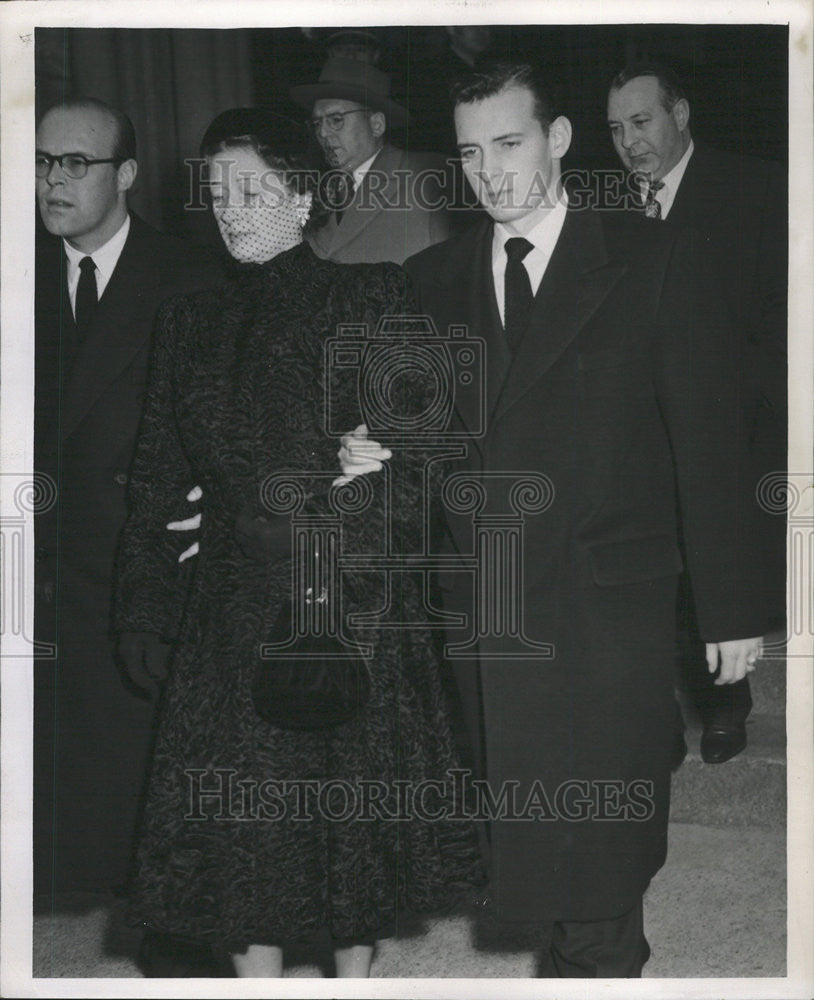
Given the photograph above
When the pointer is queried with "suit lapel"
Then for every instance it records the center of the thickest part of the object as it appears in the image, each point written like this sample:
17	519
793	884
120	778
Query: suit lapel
372	196
695	197
577	280
116	335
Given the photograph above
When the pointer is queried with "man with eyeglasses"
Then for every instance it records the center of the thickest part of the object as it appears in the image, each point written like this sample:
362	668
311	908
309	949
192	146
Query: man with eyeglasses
101	275
389	203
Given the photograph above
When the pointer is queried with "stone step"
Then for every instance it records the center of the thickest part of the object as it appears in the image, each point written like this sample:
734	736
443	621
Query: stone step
768	682
747	791
717	908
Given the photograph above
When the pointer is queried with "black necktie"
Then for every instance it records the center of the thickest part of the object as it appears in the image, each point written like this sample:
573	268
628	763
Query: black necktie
518	297
343	194
86	297
652	207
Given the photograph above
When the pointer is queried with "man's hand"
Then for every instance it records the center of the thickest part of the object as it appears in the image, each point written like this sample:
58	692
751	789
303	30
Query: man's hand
358	455
144	657
736	658
189	524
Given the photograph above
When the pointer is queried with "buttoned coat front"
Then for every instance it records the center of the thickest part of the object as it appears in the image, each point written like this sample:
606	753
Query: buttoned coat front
622	388
92	733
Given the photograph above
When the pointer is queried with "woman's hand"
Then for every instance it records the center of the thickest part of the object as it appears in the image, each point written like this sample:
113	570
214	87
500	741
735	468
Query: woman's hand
359	455
144	657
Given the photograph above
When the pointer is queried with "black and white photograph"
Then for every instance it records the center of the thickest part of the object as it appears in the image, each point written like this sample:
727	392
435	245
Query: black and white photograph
407	500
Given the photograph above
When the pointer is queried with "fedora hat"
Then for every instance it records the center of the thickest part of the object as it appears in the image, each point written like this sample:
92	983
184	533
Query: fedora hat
351	80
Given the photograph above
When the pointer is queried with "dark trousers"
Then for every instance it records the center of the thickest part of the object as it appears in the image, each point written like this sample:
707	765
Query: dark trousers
597	949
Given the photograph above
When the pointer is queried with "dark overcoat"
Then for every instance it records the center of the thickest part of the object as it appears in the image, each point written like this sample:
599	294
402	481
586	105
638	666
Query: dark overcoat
624	384
91	732
237	395
737	207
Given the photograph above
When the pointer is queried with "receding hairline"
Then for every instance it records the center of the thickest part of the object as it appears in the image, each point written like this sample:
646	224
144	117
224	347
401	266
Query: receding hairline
662	87
100	110
119	123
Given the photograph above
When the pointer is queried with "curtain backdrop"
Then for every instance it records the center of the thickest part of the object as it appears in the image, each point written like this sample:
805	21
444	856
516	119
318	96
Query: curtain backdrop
171	83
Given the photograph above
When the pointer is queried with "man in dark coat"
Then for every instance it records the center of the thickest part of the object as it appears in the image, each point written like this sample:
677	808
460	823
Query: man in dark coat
736	207
101	273
608	366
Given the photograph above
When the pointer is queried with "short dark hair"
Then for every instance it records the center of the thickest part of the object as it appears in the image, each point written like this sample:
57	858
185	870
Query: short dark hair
496	77
124	141
671	89
280	142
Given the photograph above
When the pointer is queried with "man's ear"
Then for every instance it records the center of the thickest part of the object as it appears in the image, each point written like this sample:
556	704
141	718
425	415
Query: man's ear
681	114
559	137
378	123
126	175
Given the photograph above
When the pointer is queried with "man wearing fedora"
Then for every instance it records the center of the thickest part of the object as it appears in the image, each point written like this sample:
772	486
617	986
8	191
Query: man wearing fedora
390	203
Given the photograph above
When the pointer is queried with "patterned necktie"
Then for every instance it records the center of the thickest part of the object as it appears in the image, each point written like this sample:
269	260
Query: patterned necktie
86	297
518	296
652	207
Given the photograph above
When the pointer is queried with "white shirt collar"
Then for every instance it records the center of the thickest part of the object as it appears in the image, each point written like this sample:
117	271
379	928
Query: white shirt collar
665	196
105	258
362	169
543	235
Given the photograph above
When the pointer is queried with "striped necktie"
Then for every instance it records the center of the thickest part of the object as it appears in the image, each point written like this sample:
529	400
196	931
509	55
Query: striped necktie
652	206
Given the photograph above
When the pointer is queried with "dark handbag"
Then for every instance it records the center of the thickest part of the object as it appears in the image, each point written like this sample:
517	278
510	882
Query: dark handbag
308	682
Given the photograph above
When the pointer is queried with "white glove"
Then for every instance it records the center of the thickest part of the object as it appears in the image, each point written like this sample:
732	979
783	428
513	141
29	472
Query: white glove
359	455
189	524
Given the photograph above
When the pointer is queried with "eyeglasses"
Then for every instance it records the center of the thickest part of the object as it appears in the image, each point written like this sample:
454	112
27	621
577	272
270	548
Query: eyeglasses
73	165
335	121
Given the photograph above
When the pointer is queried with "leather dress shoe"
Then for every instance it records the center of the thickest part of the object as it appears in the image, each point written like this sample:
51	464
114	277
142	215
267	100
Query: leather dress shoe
720	743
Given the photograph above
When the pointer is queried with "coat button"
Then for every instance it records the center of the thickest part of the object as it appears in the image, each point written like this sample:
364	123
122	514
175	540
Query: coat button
120	478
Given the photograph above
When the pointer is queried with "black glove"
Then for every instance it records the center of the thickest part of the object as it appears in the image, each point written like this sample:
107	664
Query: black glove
263	538
144	657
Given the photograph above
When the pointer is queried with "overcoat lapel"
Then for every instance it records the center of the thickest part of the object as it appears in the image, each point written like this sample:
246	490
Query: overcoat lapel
367	201
695	198
113	340
469	294
577	280
484	307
